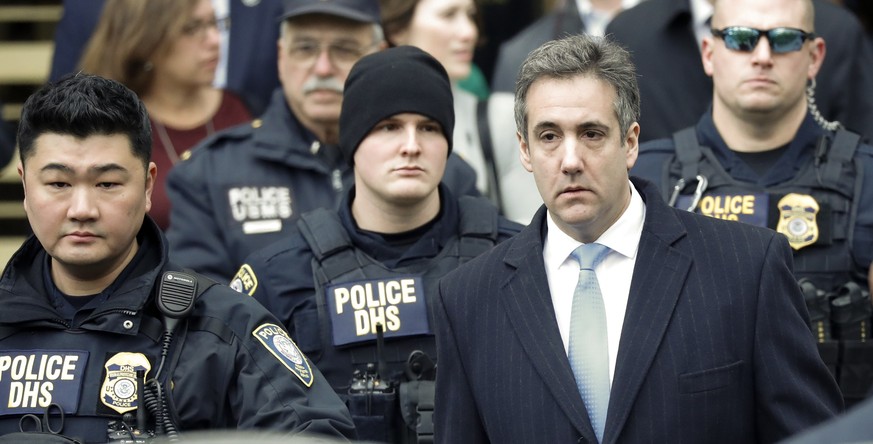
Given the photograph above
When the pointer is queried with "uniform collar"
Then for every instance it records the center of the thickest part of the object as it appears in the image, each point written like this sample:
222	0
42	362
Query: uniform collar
428	245
799	150
23	284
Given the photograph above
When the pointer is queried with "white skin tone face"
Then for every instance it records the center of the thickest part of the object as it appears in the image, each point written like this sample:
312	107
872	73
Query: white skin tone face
398	167
760	85
192	57
319	106
577	153
446	29
86	200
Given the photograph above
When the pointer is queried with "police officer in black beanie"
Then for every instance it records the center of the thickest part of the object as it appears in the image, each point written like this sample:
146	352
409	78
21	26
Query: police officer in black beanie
354	286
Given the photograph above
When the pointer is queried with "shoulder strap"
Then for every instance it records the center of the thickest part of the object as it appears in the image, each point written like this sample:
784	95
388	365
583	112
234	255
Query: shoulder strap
841	152
488	149
330	244
687	152
478	226
203	283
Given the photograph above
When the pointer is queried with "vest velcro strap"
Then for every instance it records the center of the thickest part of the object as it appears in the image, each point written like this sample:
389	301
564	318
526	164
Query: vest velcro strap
841	152
323	238
687	152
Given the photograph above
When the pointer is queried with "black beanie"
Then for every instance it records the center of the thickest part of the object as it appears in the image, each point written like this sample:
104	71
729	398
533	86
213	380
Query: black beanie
402	79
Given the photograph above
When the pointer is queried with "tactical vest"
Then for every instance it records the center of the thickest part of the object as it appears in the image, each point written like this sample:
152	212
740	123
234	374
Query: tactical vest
407	362
822	245
337	260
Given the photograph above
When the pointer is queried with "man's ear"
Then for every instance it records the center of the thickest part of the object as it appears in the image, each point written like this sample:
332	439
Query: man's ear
632	143
817	51
524	153
706	54
151	178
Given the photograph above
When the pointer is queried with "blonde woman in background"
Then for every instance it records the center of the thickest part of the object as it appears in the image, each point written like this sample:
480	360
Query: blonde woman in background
167	52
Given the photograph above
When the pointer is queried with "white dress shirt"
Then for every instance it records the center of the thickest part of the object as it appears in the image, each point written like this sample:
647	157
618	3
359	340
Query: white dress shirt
613	273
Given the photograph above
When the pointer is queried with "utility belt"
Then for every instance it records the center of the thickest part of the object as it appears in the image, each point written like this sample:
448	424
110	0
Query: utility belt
840	321
394	407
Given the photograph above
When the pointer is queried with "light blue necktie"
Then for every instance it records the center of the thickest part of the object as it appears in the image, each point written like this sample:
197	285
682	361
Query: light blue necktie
589	352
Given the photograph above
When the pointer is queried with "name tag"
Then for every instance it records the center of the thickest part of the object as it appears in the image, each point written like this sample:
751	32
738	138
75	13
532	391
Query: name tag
357	308
259	203
30	380
749	208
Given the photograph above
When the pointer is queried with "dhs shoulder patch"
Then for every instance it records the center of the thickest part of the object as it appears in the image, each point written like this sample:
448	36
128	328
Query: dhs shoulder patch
245	280
277	341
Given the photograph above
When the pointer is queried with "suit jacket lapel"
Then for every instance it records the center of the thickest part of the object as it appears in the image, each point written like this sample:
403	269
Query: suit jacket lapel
526	298
658	278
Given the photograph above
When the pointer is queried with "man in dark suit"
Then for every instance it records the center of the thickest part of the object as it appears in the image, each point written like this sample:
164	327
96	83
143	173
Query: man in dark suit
675	91
703	334
251	51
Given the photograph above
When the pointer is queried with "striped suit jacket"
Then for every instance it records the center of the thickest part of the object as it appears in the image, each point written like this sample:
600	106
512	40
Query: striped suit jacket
715	345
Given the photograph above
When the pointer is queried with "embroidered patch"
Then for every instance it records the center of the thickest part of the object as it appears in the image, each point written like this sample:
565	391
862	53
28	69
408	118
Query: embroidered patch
398	305
797	219
120	384
277	341
31	380
749	208
245	280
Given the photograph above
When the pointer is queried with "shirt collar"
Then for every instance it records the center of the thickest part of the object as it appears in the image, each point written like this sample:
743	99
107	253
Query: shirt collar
622	237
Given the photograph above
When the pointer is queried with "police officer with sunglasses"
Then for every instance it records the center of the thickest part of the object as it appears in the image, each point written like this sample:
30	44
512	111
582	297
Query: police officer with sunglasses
763	154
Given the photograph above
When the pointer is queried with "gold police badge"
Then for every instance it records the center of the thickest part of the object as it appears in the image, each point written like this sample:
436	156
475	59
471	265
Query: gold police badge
119	386
797	221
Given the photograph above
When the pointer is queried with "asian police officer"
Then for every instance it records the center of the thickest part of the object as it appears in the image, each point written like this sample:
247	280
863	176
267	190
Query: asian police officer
101	338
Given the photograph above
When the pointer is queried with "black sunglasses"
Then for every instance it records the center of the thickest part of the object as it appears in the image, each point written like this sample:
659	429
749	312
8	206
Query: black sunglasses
782	40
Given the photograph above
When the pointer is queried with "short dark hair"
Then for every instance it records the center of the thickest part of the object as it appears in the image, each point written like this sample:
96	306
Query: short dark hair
581	55
83	105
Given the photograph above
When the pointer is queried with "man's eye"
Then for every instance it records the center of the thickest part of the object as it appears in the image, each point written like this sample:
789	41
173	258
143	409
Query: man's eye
387	126
107	185
431	128
346	52
305	48
58	184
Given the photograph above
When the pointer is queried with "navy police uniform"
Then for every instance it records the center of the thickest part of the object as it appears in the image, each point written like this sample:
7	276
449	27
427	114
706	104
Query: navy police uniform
233	365
332	283
818	194
243	189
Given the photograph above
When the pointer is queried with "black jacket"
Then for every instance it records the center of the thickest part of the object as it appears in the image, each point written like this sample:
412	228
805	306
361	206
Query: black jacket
226	376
